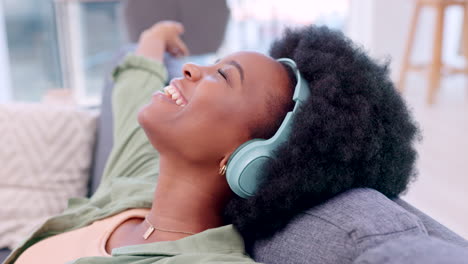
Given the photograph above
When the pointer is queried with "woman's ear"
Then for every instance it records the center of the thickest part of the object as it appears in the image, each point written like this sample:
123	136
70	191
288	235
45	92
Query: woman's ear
224	161
223	164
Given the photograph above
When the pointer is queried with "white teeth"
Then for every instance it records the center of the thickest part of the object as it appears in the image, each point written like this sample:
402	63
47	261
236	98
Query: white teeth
174	94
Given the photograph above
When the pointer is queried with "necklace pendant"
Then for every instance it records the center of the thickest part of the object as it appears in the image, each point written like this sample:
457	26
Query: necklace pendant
148	232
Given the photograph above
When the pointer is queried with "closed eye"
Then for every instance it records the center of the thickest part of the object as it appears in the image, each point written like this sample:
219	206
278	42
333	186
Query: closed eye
222	73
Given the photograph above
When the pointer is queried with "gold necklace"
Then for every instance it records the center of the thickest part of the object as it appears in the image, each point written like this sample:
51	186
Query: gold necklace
151	229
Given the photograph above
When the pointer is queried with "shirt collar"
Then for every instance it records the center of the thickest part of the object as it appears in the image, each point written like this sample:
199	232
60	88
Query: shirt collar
224	239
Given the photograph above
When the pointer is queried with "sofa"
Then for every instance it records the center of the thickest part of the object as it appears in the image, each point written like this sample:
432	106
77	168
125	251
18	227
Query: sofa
358	226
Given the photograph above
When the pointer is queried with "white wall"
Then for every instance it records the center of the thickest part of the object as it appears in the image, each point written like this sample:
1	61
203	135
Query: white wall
5	85
382	26
360	22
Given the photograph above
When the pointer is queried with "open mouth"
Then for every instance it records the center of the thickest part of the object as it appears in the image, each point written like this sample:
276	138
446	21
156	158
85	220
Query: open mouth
173	93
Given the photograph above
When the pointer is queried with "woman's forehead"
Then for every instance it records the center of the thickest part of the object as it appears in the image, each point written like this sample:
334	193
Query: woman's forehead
256	66
250	57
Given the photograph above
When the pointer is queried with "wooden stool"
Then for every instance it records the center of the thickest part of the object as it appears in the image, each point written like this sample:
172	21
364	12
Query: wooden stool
436	66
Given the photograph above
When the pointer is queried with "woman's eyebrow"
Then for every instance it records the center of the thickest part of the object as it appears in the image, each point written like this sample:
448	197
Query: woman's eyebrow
238	67
235	64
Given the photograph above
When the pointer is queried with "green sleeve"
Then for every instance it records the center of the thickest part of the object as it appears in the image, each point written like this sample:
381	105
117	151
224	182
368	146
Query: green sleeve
136	79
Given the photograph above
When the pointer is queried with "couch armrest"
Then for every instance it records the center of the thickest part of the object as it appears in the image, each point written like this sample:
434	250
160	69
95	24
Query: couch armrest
433	227
339	230
415	249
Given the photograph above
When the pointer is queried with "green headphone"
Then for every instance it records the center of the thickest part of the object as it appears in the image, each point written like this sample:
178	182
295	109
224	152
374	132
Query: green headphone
245	166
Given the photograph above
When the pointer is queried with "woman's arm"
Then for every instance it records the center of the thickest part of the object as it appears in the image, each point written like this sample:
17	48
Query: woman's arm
163	36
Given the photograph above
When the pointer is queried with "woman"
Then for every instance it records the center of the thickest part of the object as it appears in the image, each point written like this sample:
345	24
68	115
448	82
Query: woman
354	131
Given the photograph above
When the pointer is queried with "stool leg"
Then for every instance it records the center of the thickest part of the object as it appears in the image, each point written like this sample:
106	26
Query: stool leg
464	42
409	46
436	64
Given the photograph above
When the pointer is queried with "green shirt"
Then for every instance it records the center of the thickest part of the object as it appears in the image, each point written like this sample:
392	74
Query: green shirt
129	181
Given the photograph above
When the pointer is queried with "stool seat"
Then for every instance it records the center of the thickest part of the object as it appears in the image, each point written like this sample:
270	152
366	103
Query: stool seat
446	2
436	67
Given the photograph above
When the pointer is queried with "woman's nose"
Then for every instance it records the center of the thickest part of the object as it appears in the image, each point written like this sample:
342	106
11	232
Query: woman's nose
192	71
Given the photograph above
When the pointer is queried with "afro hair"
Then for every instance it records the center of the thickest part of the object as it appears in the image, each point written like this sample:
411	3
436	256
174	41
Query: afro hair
354	131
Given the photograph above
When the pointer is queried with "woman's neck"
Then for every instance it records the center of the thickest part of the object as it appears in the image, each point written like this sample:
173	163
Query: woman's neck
188	198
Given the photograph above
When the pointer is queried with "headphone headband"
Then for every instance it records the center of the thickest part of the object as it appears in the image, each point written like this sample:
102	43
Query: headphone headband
301	91
245	169
300	95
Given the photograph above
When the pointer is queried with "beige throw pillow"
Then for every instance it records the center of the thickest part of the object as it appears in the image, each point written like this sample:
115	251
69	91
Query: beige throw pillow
45	156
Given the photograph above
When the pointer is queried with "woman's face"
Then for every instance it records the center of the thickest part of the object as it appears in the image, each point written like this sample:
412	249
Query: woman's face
205	115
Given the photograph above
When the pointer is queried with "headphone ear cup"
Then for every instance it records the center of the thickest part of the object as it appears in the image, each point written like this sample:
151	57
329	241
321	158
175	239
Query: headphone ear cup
245	169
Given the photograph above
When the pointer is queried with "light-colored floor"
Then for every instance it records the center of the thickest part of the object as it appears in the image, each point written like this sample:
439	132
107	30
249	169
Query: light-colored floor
441	189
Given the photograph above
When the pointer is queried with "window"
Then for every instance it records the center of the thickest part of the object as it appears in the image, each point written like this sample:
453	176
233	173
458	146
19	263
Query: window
32	48
90	37
102	38
60	44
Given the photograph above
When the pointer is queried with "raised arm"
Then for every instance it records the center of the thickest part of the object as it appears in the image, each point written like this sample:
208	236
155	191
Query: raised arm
136	79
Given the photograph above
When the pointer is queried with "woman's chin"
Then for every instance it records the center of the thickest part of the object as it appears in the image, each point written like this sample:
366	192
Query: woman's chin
157	129
148	122
155	116
152	111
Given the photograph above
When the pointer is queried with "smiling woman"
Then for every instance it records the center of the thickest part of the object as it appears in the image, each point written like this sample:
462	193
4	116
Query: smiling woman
164	194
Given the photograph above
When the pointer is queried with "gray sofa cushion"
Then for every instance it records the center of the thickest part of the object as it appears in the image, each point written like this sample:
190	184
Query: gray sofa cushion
345	227
104	140
339	230
4	252
415	249
105	136
434	228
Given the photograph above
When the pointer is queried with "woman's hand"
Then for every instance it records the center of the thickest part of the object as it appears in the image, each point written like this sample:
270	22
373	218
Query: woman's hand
162	36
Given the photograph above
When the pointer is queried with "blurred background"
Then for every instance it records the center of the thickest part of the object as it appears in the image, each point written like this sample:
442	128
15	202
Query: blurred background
71	45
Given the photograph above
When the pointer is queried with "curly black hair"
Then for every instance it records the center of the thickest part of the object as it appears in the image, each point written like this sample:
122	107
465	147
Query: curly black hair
354	131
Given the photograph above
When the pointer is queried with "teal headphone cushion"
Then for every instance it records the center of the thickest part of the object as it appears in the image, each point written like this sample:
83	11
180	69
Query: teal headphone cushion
245	167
